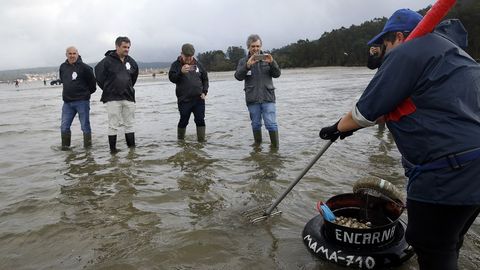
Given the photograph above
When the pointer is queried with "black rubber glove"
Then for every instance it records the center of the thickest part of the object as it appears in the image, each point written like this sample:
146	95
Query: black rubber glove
332	133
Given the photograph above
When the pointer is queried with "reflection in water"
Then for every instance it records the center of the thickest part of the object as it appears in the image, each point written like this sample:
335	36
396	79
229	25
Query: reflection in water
99	199
265	169
197	176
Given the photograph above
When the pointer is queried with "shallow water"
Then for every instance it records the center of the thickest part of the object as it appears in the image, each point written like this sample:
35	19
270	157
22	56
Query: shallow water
177	205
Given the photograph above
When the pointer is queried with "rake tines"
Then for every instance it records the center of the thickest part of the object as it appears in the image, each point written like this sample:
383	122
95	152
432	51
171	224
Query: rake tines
260	213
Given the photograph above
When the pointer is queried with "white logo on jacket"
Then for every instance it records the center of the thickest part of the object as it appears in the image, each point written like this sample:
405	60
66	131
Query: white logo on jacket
74	76
127	65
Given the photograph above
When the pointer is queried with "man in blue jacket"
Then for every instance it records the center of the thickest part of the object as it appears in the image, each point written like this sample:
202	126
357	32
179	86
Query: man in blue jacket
428	91
78	84
116	75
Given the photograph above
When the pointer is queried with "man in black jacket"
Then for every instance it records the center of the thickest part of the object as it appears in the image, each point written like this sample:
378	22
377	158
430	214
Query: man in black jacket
116	75
78	84
192	88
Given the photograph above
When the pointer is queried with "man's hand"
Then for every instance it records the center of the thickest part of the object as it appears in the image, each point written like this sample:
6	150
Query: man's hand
332	133
251	61
185	69
268	58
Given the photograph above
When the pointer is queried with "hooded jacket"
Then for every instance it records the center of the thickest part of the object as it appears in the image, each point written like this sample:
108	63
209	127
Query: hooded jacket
443	82
78	81
258	80
116	78
191	85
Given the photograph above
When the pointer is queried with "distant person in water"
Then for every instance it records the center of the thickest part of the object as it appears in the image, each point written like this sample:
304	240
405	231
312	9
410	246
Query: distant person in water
191	80
78	84
257	70
116	75
16	83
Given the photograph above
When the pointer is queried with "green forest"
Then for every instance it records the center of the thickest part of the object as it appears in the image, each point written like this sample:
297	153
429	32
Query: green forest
344	46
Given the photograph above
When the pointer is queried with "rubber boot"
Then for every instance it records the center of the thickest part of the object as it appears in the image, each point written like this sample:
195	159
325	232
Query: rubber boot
66	140
87	140
112	141
274	139
257	136
181	133
130	138
201	134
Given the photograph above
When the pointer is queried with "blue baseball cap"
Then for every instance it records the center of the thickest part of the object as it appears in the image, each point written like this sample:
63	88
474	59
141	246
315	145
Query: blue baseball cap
401	20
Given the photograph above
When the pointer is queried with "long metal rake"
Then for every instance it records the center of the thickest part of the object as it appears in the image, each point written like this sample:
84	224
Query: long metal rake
263	212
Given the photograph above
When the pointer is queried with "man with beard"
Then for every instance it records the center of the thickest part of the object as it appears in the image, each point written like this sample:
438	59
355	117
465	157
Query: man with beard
116	75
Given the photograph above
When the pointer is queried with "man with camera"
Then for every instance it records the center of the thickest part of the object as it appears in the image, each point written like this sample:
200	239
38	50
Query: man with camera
191	81
257	70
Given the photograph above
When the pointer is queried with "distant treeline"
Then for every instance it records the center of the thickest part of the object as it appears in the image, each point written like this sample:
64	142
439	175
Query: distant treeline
344	46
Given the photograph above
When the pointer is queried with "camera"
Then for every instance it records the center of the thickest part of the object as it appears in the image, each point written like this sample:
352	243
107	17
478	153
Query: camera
259	57
193	67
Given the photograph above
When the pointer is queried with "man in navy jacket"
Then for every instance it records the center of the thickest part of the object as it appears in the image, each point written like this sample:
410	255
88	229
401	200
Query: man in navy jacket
428	91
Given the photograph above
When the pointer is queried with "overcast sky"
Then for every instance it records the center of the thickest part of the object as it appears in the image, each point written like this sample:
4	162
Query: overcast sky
35	33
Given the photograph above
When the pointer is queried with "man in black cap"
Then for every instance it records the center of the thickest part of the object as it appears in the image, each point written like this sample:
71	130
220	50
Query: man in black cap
191	81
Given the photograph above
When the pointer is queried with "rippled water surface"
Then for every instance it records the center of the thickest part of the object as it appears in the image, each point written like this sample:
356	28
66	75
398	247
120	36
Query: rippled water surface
177	205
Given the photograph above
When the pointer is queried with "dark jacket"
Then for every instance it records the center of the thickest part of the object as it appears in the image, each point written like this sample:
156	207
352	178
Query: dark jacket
191	85
115	78
258	80
443	82
78	81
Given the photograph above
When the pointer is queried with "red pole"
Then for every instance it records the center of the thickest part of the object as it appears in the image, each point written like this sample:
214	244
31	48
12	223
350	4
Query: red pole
434	15
432	18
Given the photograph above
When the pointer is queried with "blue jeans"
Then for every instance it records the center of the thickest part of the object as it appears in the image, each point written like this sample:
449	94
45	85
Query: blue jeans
266	111
70	109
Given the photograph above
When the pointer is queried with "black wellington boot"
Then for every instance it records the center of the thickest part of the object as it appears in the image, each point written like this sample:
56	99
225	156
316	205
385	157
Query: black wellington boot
66	140
87	140
201	134
274	139
112	141
181	133
257	137
130	138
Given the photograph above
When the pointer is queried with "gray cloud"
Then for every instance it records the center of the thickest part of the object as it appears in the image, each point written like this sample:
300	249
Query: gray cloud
36	32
